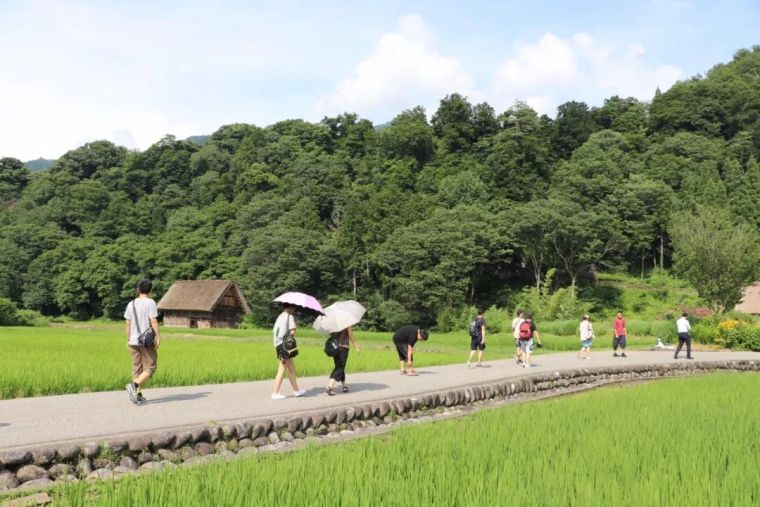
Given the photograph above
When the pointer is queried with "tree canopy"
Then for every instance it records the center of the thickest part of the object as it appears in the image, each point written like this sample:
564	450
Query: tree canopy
423	215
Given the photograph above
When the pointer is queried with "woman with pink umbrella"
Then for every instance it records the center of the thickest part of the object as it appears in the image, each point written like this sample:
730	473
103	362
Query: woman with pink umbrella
283	333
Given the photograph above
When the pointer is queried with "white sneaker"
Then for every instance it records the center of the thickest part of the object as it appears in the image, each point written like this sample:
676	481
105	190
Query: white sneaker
278	396
299	393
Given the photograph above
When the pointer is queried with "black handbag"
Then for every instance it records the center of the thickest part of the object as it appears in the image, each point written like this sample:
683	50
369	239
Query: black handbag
289	345
331	347
147	338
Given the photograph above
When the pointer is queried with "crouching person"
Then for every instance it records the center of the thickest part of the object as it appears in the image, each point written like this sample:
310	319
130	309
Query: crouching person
143	339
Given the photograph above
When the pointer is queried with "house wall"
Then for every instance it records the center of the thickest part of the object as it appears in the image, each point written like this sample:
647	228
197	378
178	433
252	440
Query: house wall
200	320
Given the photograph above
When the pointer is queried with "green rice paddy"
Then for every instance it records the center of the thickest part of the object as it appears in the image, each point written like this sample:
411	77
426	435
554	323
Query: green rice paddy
690	441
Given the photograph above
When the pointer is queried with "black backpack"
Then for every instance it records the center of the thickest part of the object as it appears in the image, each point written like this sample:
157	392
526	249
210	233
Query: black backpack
474	328
331	346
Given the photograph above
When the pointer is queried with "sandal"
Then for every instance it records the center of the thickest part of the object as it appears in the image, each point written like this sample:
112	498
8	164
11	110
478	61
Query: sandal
345	389
330	391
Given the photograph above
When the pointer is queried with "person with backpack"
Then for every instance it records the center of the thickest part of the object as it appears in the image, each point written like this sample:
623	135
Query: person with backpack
285	326
619	335
528	331
516	334
587	334
338	374
143	339
477	329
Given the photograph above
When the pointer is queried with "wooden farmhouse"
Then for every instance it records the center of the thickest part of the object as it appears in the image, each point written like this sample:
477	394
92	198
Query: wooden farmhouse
203	304
750	300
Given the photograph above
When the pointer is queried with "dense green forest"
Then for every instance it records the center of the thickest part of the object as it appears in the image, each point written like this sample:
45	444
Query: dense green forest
416	218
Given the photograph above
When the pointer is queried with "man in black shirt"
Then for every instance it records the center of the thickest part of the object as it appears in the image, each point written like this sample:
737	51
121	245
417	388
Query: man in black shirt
404	340
477	338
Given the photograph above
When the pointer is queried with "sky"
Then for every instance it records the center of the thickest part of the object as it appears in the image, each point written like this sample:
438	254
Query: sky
134	71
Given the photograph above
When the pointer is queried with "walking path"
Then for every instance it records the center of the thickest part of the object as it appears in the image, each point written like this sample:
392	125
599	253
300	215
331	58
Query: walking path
77	418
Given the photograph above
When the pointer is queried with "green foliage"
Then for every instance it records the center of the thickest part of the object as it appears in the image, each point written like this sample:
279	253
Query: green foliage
462	210
718	257
456	319
545	305
582	459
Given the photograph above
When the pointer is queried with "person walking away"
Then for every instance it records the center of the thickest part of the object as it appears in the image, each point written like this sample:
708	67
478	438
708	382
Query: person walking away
528	331
587	334
405	339
285	325
477	338
619	335
141	315
339	372
516	334
684	335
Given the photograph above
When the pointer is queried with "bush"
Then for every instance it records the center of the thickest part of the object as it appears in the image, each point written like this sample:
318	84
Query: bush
10	315
561	304
31	318
498	320
455	319
8	312
392	315
740	334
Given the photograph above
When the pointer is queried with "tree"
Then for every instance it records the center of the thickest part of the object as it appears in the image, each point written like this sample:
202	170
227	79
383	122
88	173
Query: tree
409	135
719	257
572	127
13	179
454	123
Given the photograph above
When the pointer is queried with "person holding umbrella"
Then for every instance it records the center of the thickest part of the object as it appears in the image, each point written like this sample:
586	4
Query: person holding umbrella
285	325
283	332
338	320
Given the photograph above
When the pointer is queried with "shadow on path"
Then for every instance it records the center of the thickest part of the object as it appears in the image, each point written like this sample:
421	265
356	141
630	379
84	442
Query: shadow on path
4	424
353	388
177	397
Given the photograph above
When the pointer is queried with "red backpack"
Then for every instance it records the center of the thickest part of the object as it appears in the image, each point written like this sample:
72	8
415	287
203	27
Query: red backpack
525	333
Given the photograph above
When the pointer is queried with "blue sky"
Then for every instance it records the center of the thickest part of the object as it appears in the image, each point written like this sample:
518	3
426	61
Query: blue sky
133	71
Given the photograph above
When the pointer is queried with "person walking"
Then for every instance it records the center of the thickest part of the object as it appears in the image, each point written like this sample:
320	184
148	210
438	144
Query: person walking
339	371
619	335
405	339
516	334
284	326
683	327
528	331
477	338
141	316
587	334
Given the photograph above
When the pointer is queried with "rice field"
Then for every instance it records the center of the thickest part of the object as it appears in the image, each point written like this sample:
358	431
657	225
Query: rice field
690	441
76	358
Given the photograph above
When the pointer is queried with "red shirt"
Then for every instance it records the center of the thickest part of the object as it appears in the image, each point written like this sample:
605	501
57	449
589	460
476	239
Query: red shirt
620	327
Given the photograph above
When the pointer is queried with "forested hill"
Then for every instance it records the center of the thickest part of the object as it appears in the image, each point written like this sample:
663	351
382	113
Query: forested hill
417	217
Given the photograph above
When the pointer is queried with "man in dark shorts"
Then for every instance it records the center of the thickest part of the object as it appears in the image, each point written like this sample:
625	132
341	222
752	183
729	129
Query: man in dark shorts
477	338
404	340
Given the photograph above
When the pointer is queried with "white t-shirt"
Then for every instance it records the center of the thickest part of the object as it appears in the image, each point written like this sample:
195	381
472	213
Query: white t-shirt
516	327
682	325
146	310
587	331
284	323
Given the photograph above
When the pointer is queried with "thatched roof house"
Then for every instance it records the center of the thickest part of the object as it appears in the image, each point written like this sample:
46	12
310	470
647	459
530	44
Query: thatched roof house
750	300
203	304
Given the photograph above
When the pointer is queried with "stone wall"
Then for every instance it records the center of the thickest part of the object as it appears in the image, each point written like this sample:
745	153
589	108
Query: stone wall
42	467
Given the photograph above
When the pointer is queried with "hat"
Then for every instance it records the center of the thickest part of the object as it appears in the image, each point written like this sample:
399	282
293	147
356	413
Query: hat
586	316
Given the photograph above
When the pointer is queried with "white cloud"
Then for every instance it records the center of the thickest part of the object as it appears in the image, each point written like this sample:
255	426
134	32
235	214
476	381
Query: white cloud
554	70
404	70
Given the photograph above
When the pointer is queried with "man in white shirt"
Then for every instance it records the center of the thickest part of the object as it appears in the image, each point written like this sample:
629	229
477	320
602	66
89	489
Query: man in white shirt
683	328
141	315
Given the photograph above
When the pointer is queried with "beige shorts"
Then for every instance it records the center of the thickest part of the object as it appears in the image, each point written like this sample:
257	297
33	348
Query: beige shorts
143	359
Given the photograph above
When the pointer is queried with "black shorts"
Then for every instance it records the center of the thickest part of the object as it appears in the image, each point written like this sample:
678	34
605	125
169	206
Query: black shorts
401	348
477	344
618	341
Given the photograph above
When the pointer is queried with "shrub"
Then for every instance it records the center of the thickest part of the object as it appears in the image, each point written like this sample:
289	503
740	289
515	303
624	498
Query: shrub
392	315
733	333
561	304
498	320
8	312
455	319
31	318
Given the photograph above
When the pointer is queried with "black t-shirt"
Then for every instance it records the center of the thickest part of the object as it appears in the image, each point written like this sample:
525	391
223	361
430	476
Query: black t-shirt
406	334
480	323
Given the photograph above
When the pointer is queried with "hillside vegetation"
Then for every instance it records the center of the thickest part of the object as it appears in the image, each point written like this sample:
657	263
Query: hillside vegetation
419	220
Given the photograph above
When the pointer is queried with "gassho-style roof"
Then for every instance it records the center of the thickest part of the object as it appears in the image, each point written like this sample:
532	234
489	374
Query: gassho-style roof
750	299
200	295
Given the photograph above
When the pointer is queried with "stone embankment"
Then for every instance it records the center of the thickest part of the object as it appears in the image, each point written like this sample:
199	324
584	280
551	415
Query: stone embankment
43	467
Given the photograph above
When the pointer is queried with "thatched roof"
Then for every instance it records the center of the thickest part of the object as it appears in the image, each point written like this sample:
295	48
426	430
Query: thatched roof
200	295
750	299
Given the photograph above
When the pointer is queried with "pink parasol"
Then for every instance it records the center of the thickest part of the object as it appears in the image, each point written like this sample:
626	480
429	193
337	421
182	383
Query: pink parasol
300	299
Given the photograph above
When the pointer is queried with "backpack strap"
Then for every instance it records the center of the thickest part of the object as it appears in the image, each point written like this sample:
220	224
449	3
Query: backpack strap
134	312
